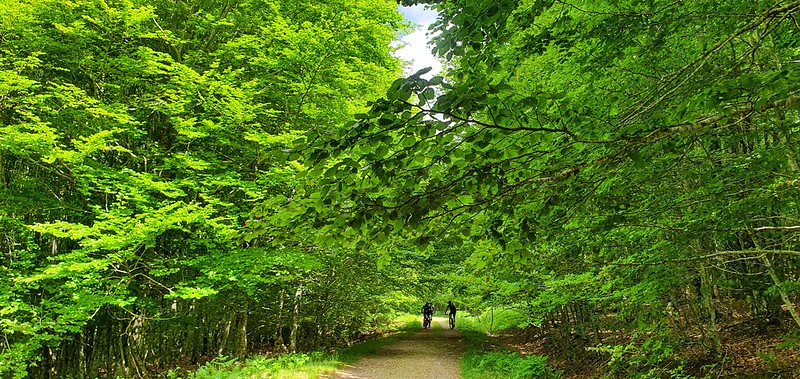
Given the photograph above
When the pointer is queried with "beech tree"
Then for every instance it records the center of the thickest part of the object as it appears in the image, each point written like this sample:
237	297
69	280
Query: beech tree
135	138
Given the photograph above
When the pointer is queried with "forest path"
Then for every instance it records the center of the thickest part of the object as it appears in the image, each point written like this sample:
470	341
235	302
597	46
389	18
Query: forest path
431	353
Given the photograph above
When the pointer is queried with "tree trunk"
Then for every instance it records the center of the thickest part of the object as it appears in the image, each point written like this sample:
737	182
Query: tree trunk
279	344
491	323
122	364
706	290
240	349
791	153
784	296
135	344
226	332
89	342
295	319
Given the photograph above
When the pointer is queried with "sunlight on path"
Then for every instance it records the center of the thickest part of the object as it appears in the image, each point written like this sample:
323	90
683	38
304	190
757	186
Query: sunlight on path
426	354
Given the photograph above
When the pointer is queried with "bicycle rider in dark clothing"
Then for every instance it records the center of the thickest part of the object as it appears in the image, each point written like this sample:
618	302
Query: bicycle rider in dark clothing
427	314
451	310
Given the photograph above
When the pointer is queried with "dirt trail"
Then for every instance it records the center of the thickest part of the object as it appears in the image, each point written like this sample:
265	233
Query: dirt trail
426	354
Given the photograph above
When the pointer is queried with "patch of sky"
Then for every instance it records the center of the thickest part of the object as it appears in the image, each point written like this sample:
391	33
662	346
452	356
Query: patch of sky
414	49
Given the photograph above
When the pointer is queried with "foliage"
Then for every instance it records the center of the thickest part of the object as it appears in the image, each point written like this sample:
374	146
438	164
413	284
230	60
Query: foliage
230	174
136	137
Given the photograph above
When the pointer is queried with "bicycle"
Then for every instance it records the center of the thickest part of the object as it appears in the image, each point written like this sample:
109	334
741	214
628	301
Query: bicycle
452	320
426	320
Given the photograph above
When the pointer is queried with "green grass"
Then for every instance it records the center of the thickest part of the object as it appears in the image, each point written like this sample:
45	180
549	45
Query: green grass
493	322
483	360
298	365
505	364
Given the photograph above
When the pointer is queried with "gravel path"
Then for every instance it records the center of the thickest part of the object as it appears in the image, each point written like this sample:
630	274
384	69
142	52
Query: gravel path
427	354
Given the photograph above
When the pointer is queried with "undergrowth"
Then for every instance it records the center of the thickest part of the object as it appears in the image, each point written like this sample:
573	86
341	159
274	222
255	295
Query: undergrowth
505	364
484	360
494	321
295	365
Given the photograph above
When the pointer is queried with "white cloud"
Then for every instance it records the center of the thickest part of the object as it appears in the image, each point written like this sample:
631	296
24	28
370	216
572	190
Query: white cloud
415	48
418	14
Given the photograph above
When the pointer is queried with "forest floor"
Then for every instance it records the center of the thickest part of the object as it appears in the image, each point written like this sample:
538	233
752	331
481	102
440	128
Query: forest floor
429	353
749	353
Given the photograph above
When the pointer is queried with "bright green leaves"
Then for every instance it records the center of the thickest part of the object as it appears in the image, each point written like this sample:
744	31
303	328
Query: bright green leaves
191	293
144	143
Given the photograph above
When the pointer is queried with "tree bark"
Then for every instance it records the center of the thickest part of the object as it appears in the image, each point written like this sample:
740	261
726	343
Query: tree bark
784	296
223	342
279	344
706	289
295	319
241	330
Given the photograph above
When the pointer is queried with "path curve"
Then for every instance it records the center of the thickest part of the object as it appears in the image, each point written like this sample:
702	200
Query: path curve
430	353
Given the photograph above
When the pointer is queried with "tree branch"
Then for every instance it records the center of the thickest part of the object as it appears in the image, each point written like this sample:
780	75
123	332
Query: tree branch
790	228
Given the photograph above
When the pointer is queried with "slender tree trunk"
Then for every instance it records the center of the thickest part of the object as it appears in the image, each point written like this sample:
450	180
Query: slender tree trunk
791	152
706	289
491	323
279	344
226	332
784	296
122	365
91	338
135	344
295	319
197	334
241	326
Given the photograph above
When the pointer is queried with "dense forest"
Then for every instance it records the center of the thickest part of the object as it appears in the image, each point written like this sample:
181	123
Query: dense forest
182	179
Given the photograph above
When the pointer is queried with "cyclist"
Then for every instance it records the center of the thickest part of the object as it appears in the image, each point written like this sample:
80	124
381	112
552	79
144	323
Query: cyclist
427	315
451	310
